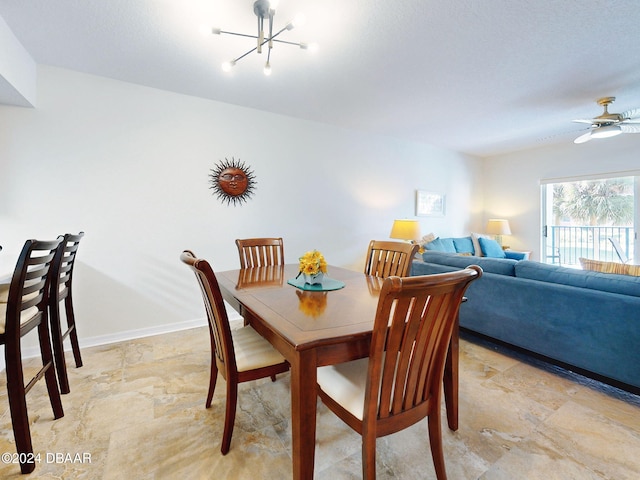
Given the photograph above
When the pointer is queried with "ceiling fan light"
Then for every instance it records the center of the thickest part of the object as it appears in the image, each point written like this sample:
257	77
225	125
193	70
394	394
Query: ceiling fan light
583	138
607	131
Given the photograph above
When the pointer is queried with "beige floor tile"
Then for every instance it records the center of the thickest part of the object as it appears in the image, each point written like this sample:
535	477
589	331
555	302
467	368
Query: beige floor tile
137	408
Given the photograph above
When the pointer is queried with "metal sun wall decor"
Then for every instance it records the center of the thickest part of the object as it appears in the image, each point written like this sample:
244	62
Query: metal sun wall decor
232	181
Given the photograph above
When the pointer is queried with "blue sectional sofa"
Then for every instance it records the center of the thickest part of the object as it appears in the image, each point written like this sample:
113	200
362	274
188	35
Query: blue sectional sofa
586	321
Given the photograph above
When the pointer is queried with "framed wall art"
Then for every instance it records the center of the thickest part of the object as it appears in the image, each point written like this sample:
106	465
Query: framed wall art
232	181
429	204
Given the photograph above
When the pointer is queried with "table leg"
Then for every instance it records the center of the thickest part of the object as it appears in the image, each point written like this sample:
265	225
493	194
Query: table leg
451	377
303	413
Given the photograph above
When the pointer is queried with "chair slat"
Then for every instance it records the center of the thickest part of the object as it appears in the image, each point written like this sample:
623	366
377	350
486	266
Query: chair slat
385	259
260	252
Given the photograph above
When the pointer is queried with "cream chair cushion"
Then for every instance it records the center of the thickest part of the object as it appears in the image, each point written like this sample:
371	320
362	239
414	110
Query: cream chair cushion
346	383
25	316
4	292
252	350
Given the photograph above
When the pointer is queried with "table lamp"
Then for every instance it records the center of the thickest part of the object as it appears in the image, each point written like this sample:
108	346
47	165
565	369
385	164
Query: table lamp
498	227
406	230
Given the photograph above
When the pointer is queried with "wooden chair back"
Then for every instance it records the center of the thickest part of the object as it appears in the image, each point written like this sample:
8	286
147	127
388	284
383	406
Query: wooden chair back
27	309
63	265
219	329
30	287
260	252
61	291
412	329
386	258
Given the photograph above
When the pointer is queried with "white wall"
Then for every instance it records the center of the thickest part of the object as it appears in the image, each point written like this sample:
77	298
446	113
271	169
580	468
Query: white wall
512	182
129	165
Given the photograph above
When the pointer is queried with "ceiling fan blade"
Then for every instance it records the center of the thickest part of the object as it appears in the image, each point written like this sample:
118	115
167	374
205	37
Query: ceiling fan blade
630	128
631	114
583	138
584	121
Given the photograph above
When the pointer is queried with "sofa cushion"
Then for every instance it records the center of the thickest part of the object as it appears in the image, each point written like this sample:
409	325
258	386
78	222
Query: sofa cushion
475	237
441	245
516	255
463	245
502	266
491	248
607	282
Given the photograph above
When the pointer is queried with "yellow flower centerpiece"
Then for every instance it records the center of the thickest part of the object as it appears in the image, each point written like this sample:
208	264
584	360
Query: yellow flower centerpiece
313	266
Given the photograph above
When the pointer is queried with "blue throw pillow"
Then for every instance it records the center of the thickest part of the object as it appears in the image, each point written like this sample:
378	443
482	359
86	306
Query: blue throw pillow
464	245
491	248
441	245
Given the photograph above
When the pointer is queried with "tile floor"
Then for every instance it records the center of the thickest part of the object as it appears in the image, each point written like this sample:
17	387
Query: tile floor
136	410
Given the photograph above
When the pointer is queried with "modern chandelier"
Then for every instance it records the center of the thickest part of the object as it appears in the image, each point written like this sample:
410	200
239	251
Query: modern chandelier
265	9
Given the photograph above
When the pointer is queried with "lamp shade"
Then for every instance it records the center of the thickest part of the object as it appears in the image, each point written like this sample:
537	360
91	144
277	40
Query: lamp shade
498	226
405	230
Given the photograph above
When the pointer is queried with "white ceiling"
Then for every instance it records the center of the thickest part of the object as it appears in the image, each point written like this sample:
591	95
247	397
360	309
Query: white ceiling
483	77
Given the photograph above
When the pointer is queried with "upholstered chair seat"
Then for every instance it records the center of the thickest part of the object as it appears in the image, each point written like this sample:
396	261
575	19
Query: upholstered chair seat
252	350
25	315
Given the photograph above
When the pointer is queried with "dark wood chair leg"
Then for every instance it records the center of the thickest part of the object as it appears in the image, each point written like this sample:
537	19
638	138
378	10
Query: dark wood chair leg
49	372
230	415
71	326
212	380
18	405
368	457
58	348
435	440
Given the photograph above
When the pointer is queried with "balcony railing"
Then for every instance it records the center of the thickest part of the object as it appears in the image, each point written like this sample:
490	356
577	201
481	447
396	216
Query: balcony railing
565	245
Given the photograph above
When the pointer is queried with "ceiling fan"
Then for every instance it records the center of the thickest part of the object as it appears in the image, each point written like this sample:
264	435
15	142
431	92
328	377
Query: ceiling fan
610	124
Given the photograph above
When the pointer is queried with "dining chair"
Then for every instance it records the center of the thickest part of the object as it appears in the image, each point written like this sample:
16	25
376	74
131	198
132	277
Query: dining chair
401	381
260	252
386	258
61	291
240	355
26	309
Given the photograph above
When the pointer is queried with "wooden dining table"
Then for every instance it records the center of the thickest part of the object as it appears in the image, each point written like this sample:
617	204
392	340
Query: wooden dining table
315	328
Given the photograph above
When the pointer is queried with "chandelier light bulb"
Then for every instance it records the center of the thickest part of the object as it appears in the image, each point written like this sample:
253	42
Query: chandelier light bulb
226	66
267	69
216	30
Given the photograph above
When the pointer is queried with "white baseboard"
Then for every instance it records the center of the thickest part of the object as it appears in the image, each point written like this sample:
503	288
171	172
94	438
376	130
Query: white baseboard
234	319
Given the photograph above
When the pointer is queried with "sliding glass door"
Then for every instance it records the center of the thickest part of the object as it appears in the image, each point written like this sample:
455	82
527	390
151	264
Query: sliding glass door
585	217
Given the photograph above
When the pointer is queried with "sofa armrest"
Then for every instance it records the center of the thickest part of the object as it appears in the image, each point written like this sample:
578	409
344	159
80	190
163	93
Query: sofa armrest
514	255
